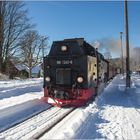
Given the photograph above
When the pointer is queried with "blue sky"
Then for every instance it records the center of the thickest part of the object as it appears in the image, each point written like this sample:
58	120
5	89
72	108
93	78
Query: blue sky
93	20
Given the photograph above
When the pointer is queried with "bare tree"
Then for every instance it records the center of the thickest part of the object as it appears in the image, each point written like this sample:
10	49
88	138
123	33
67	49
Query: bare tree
14	24
1	33
135	59
32	47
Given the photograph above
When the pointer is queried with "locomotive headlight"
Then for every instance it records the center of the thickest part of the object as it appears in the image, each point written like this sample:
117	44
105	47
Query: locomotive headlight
64	48
80	79
48	79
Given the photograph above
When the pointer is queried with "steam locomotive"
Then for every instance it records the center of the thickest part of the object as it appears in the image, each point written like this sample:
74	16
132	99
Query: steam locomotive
73	71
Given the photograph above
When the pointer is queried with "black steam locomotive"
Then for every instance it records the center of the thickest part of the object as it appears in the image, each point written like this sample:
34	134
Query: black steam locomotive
73	70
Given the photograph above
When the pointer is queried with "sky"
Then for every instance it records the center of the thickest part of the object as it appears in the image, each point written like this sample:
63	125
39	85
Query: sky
92	20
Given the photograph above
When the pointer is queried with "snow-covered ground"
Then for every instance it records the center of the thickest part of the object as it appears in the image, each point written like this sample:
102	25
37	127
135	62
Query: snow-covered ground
20	100
114	114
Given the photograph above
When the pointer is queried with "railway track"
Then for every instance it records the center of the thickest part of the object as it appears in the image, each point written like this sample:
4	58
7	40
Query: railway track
17	114
38	125
47	128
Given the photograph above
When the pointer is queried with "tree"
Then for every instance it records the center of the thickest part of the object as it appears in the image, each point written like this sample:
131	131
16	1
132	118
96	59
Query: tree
31	49
135	59
1	33
13	24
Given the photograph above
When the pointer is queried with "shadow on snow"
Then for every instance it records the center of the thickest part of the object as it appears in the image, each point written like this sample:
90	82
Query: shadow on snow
19	91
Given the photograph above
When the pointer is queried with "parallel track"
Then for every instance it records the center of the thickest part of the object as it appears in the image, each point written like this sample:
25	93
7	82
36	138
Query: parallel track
16	127
47	128
38	125
22	120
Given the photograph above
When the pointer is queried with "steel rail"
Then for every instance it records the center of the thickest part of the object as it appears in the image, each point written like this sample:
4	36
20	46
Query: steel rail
49	127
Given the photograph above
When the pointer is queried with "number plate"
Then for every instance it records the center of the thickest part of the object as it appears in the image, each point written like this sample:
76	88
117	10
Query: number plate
65	62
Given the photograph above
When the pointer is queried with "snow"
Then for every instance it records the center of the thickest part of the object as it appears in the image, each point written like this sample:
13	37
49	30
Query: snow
114	114
3	76
19	100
